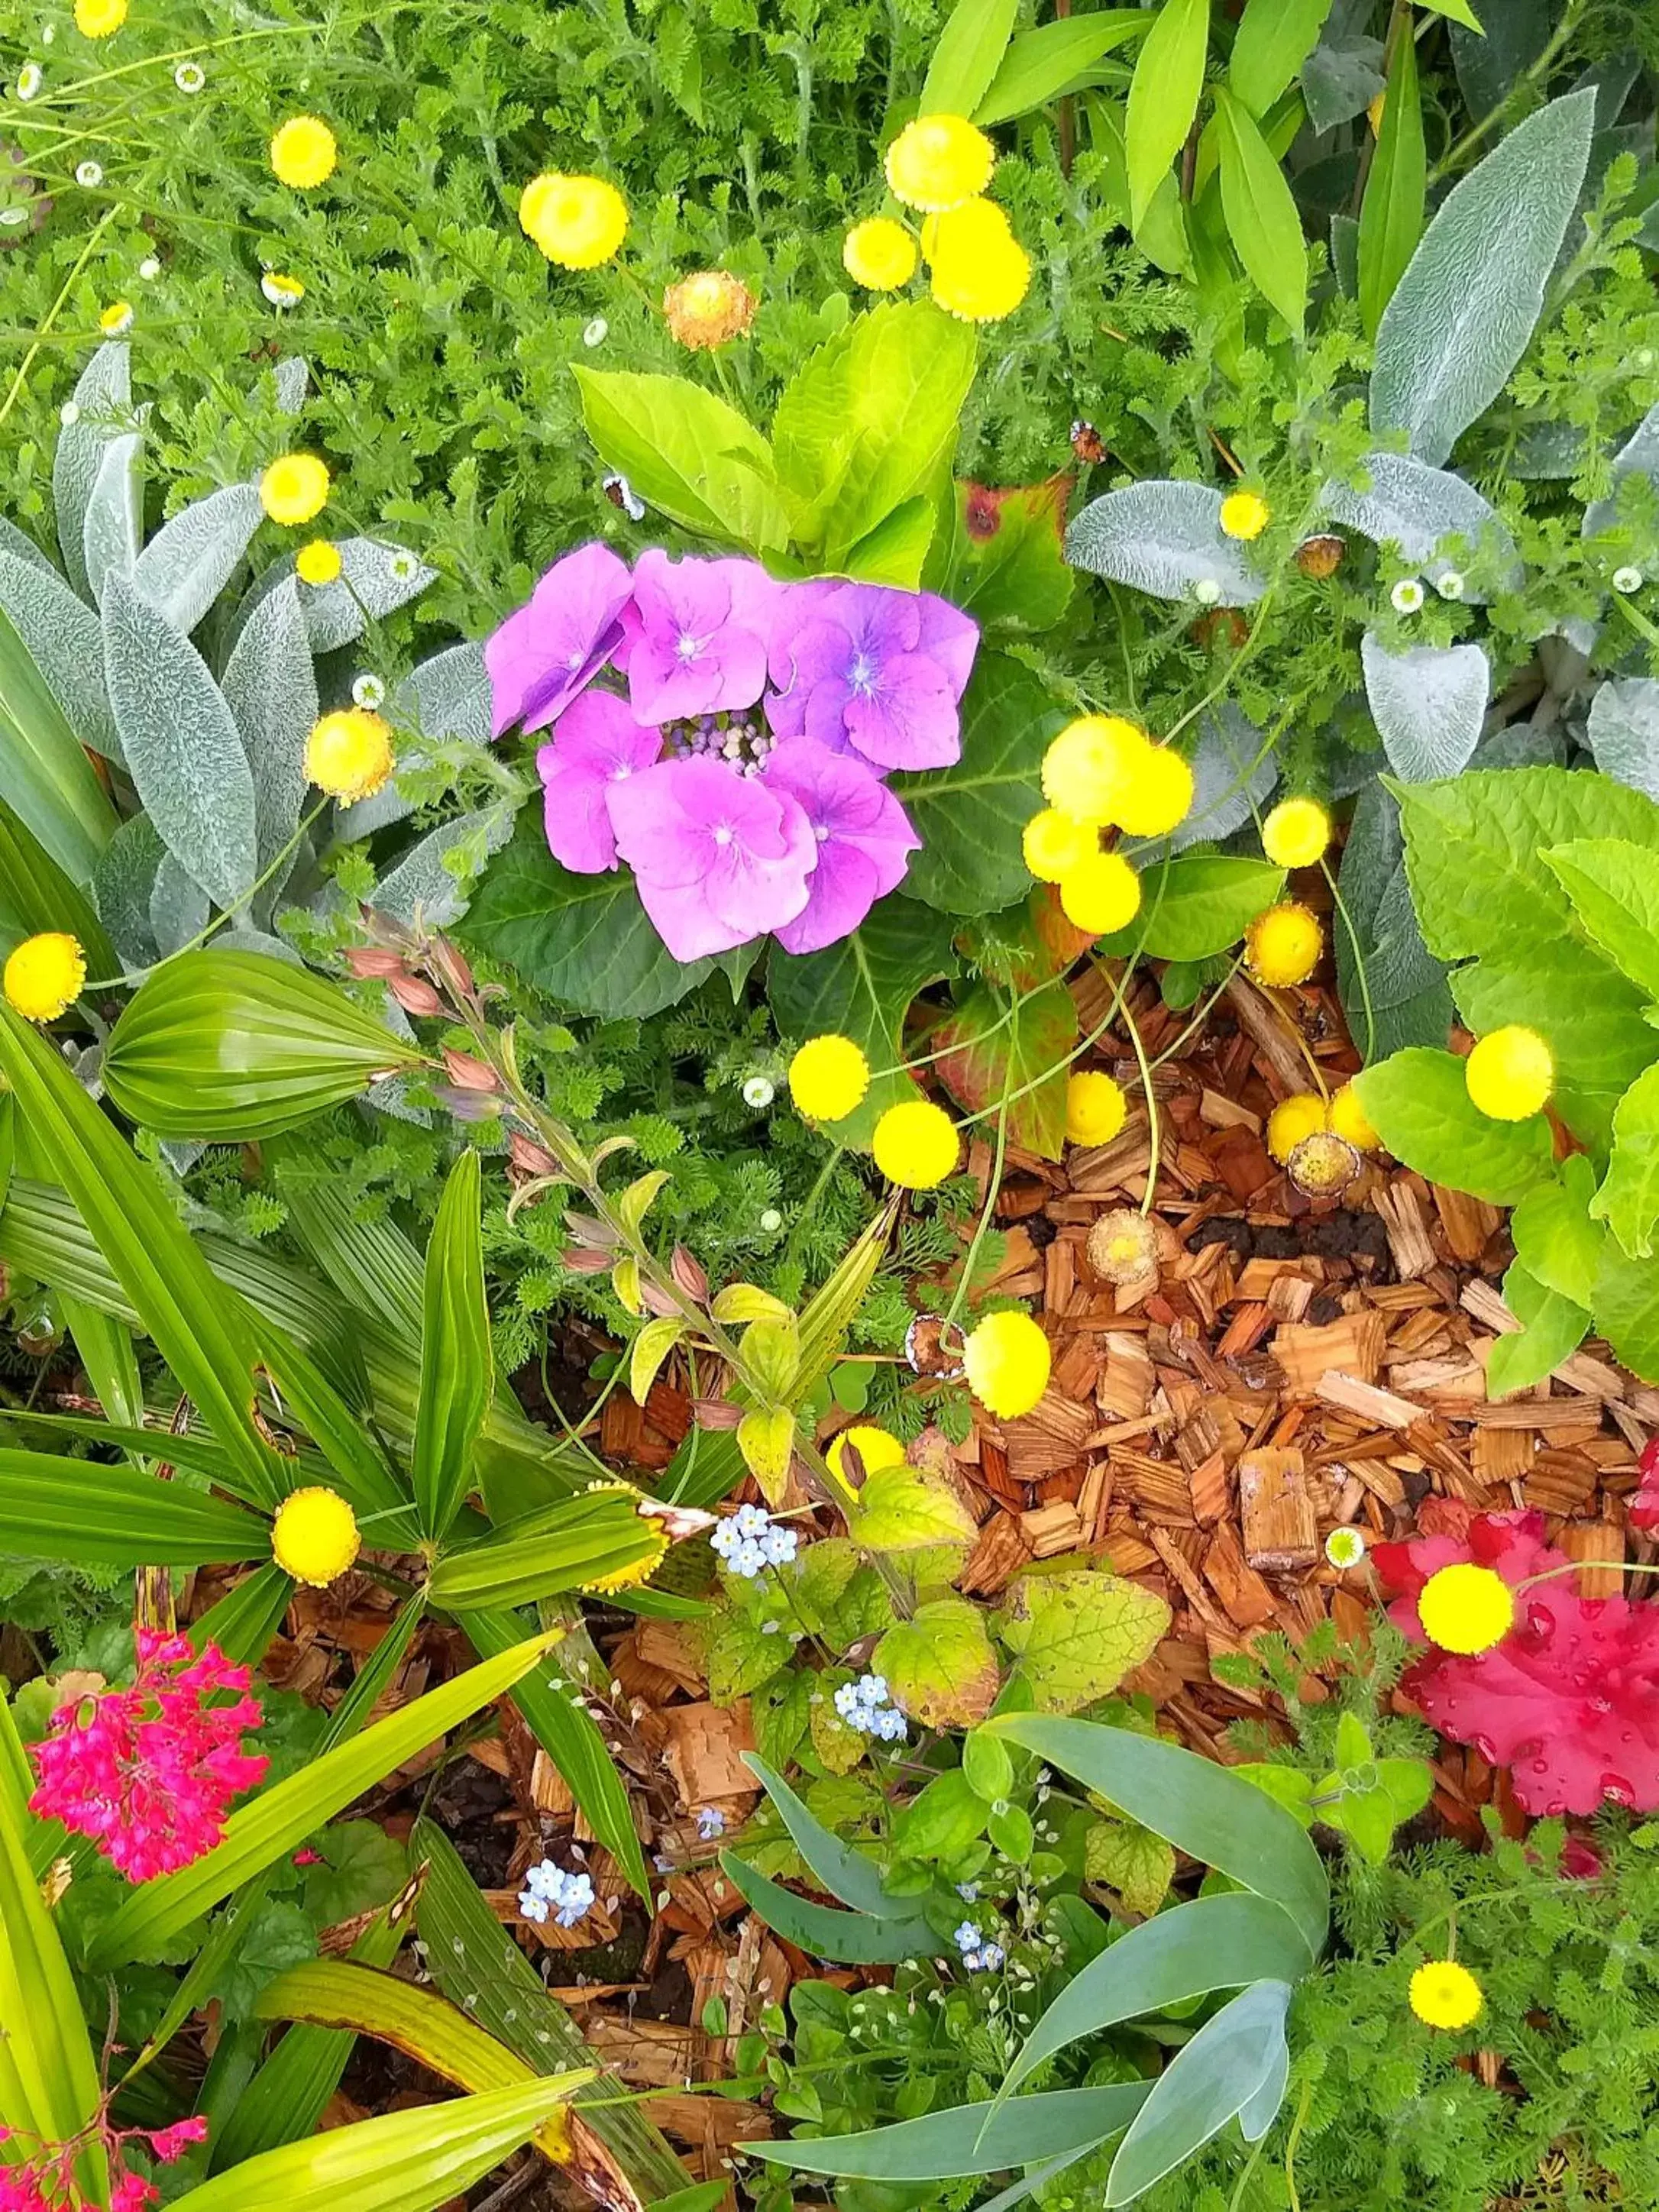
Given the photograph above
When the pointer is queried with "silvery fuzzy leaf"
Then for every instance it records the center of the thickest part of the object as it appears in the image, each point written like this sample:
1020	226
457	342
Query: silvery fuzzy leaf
1549	452
1419	508
1163	537
104	396
1521	745
1344	73
1428	704
258	940
23	548
181	1153
421	883
290	377
122	884
179	908
1230	777
114	526
389	804
375	577
1393	987
182	750
271	688
447	697
1624	733
1638	454
63	638
1462	312
190	559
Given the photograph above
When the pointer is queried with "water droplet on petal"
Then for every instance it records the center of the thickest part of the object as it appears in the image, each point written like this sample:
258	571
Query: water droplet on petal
1616	1787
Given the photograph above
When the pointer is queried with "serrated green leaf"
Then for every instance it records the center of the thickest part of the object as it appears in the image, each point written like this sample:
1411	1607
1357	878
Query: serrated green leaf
1130	1859
1556	1240
1613	886
1078	1635
940	1664
904	1508
1628	1200
1552	1330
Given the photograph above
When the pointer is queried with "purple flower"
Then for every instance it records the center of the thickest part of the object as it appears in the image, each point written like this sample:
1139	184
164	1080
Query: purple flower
698	635
547	653
880	672
864	839
718	858
597	746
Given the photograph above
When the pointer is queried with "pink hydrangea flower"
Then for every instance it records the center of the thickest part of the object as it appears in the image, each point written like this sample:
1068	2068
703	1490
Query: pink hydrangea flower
718	858
149	1772
864	837
875	671
597	746
542	657
698	635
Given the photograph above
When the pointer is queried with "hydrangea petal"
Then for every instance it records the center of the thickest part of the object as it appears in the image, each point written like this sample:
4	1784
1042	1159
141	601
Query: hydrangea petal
544	655
597	746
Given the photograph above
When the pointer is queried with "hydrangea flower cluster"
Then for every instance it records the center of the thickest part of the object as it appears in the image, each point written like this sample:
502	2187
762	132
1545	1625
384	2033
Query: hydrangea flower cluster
549	1891
44	2181
866	1706
148	1772
749	1538
977	1955
742	774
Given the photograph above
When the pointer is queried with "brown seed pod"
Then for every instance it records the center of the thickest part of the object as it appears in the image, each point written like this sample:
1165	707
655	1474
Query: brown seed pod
1123	1247
1324	1165
1321	556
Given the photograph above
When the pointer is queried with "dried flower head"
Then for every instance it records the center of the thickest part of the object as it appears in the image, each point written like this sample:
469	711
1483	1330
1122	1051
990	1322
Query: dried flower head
1324	1165
1321	556
1123	1247
708	309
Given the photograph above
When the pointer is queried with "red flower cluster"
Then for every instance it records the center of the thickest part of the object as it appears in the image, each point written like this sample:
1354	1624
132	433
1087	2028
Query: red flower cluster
1569	1700
149	1772
46	2181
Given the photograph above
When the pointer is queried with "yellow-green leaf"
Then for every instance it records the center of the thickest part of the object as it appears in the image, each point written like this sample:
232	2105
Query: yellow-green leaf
625	1282
1130	1859
650	1348
1078	1635
766	1437
600	1541
1262	215
635	1201
458	1372
1163	96
745	1302
903	1509
940	1664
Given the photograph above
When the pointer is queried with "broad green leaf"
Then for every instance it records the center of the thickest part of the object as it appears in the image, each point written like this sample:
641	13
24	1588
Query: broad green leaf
1391	213
859	1939
1056	58
1628	1309
1628	1200
940	1664
35	894
906	1509
685	452
1208	2082
1613	886
968	2139
1262	215
231	1047
1000	556
207	1337
1552	1330
45	775
457	1364
1196	904
601	1539
986	1057
1592	1019
1163	95
1458	11
1130	1859
1555	1238
845	1873
279	1819
1275	37
88	1514
965	60
1419	1105
1078	1635
1461	314
1198	1806
895	552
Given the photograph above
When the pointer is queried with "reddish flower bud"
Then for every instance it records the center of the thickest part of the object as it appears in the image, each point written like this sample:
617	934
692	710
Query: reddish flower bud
373	960
689	1274
465	1072
414	996
533	1158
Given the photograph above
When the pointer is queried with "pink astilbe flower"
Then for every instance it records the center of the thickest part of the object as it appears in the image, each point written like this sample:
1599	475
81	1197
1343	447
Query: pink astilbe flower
45	2178
1569	1701
149	1772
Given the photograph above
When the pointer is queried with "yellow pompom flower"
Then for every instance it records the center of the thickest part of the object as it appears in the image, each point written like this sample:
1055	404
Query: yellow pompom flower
978	227
1095	1108
100	19
1008	1360
314	1536
1100	896
318	562
293	489
916	1145
1465	1609
982	290
879	254
1350	1120
937	161
1296	834
43	975
1090	766
348	753
828	1078
1511	1073
303	152
577	221
1292	1120
1244	514
874	1447
1054	844
1282	945
1445	1995
1159	797
708	309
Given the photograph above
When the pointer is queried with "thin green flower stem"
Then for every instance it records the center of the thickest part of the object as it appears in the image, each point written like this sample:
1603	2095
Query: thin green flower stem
1329	874
52	313
1153	1138
1237	2196
1248	650
179	54
1473	136
791	1248
1635	618
573	1436
1581	1566
1292	2140
992	1185
1200	1017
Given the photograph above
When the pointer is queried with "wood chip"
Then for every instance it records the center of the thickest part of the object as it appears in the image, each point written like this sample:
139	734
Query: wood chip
1354	1345
1281	1529
1375	1408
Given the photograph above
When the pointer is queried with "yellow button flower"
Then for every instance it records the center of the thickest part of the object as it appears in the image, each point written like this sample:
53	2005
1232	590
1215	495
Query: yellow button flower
879	254
1291	1120
1282	945
1511	1073
577	221
348	753
318	562
314	1536
293	489
708	309
1089	767
1296	834
874	1447
1159	796
937	161
1008	1362
43	975
1445	1995
828	1078
967	232
1095	1108
1244	514
303	152
1465	1609
1054	844
1100	896
100	19
916	1145
983	290
1350	1122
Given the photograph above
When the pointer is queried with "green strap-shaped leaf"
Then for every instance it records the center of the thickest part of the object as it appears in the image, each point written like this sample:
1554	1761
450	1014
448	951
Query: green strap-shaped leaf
457	1367
1164	97
845	1873
35	894
115	1517
965	60
45	776
281	1818
858	1939
244	1621
1056	58
968	2139
1391	213
599	1541
1262	215
1217	2075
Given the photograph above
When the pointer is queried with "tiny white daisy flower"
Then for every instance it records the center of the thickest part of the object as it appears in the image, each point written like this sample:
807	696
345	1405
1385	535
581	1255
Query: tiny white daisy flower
758	1092
404	565
1344	1548
190	76
771	1221
1450	584
1406	596
369	692
28	80
88	175
1206	592
149	269
69	413
116	318
1627	580
281	291
597	331
49	33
